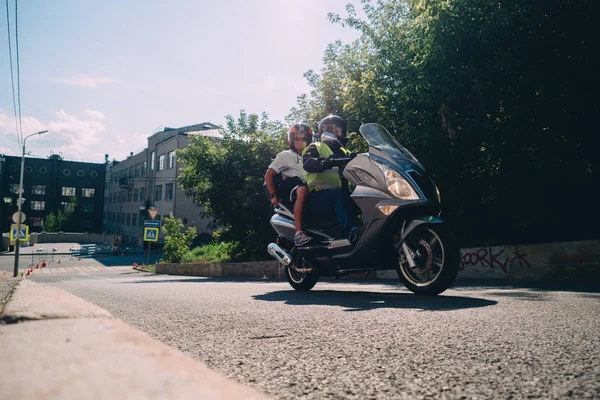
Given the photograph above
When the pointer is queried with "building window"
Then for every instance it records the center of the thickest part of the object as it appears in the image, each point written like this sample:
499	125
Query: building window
88	192
129	195
67	206
114	218
133	219
135	195
152	159
169	191
171	159
88	207
94	174
142	194
158	193
80	173
38	189
28	169
66	172
37	221
14	188
68	191
137	170
161	162
128	219
38	205
131	172
143	171
43	170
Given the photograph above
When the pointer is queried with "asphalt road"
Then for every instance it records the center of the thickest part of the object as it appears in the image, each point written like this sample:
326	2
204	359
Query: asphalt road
361	341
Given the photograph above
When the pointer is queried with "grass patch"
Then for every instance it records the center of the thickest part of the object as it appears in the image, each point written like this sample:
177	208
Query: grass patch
213	253
147	268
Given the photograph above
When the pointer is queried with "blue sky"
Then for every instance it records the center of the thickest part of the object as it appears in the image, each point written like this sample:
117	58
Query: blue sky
103	75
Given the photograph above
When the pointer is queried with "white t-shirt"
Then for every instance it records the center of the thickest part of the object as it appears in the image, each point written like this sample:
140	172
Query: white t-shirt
289	164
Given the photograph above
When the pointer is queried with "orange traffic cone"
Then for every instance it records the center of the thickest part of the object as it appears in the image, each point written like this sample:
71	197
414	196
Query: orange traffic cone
37	266
44	264
79	259
58	261
28	272
142	264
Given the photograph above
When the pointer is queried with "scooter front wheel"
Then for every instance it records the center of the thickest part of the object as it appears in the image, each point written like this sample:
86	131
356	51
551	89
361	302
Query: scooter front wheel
428	260
303	281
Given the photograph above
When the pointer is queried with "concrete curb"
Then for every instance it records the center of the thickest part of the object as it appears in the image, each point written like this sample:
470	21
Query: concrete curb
71	349
569	262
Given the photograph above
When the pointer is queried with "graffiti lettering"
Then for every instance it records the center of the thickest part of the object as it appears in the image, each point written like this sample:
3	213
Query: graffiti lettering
485	258
521	257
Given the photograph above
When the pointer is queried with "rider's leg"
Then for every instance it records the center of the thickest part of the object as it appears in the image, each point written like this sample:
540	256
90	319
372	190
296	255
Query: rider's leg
301	196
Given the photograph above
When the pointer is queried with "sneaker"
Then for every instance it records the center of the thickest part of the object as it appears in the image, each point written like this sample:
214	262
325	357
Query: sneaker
301	238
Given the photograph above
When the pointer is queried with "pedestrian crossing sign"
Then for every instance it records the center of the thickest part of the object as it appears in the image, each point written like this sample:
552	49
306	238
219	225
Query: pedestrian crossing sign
150	234
23	234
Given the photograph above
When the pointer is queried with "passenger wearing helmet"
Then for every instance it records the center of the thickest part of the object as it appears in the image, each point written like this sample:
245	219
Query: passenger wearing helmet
326	184
289	164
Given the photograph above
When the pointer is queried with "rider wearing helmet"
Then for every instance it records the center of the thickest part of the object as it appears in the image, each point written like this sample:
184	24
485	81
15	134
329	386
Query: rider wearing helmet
289	164
326	184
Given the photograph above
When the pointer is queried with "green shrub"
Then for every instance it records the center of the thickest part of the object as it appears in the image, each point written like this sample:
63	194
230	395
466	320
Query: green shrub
213	252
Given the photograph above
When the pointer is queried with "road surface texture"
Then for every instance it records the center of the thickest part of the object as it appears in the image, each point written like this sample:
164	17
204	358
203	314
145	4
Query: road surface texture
364	340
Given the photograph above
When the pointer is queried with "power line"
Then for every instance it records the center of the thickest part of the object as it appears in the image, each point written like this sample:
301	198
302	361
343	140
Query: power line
12	79
18	71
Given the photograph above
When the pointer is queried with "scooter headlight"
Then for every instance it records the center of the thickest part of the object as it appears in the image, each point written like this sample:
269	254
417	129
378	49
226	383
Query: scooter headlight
397	185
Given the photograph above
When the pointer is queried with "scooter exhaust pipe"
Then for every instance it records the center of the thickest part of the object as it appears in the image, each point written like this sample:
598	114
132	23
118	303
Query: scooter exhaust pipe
279	254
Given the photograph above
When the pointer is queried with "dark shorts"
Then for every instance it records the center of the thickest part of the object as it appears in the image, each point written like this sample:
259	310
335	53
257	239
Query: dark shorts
287	190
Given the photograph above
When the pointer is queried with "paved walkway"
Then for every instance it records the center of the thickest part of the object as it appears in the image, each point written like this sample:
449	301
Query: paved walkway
62	270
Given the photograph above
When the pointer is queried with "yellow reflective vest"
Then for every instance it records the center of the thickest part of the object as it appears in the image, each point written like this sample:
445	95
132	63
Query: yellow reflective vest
328	179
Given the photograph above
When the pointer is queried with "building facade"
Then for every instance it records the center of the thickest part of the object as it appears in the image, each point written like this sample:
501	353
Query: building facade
49	185
149	179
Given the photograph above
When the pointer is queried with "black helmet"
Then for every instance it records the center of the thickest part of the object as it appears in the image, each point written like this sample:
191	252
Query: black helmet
329	123
300	132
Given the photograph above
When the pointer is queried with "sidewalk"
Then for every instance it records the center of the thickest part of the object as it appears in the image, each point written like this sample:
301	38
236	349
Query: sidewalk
57	346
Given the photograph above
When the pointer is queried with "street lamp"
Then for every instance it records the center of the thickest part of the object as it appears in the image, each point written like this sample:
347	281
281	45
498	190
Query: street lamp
17	242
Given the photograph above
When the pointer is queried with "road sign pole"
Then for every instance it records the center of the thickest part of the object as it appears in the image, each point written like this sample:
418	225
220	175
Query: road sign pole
148	259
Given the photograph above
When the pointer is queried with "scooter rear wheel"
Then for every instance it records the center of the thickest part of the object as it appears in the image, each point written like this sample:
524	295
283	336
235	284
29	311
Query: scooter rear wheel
436	257
303	281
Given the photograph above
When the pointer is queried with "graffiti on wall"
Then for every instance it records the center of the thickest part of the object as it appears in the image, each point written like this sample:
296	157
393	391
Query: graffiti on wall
493	257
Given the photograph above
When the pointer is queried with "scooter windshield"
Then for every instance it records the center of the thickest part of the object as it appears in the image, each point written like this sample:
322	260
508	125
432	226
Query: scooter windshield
379	137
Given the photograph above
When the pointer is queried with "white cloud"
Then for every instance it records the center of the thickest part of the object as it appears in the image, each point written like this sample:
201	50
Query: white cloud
86	81
94	114
76	139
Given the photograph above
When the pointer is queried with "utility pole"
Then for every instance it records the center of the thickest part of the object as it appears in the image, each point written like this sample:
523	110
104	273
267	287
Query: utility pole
17	239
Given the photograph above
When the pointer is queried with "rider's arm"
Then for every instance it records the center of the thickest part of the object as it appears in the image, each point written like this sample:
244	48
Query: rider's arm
312	162
269	181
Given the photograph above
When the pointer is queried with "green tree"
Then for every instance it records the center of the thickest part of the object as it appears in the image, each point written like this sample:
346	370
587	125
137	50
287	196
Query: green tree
177	241
499	101
56	222
226	178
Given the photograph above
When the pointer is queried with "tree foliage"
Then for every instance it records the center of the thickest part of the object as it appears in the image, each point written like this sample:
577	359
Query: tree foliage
56	222
499	100
226	177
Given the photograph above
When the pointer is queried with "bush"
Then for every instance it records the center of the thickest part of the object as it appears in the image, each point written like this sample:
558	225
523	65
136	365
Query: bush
177	241
213	252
